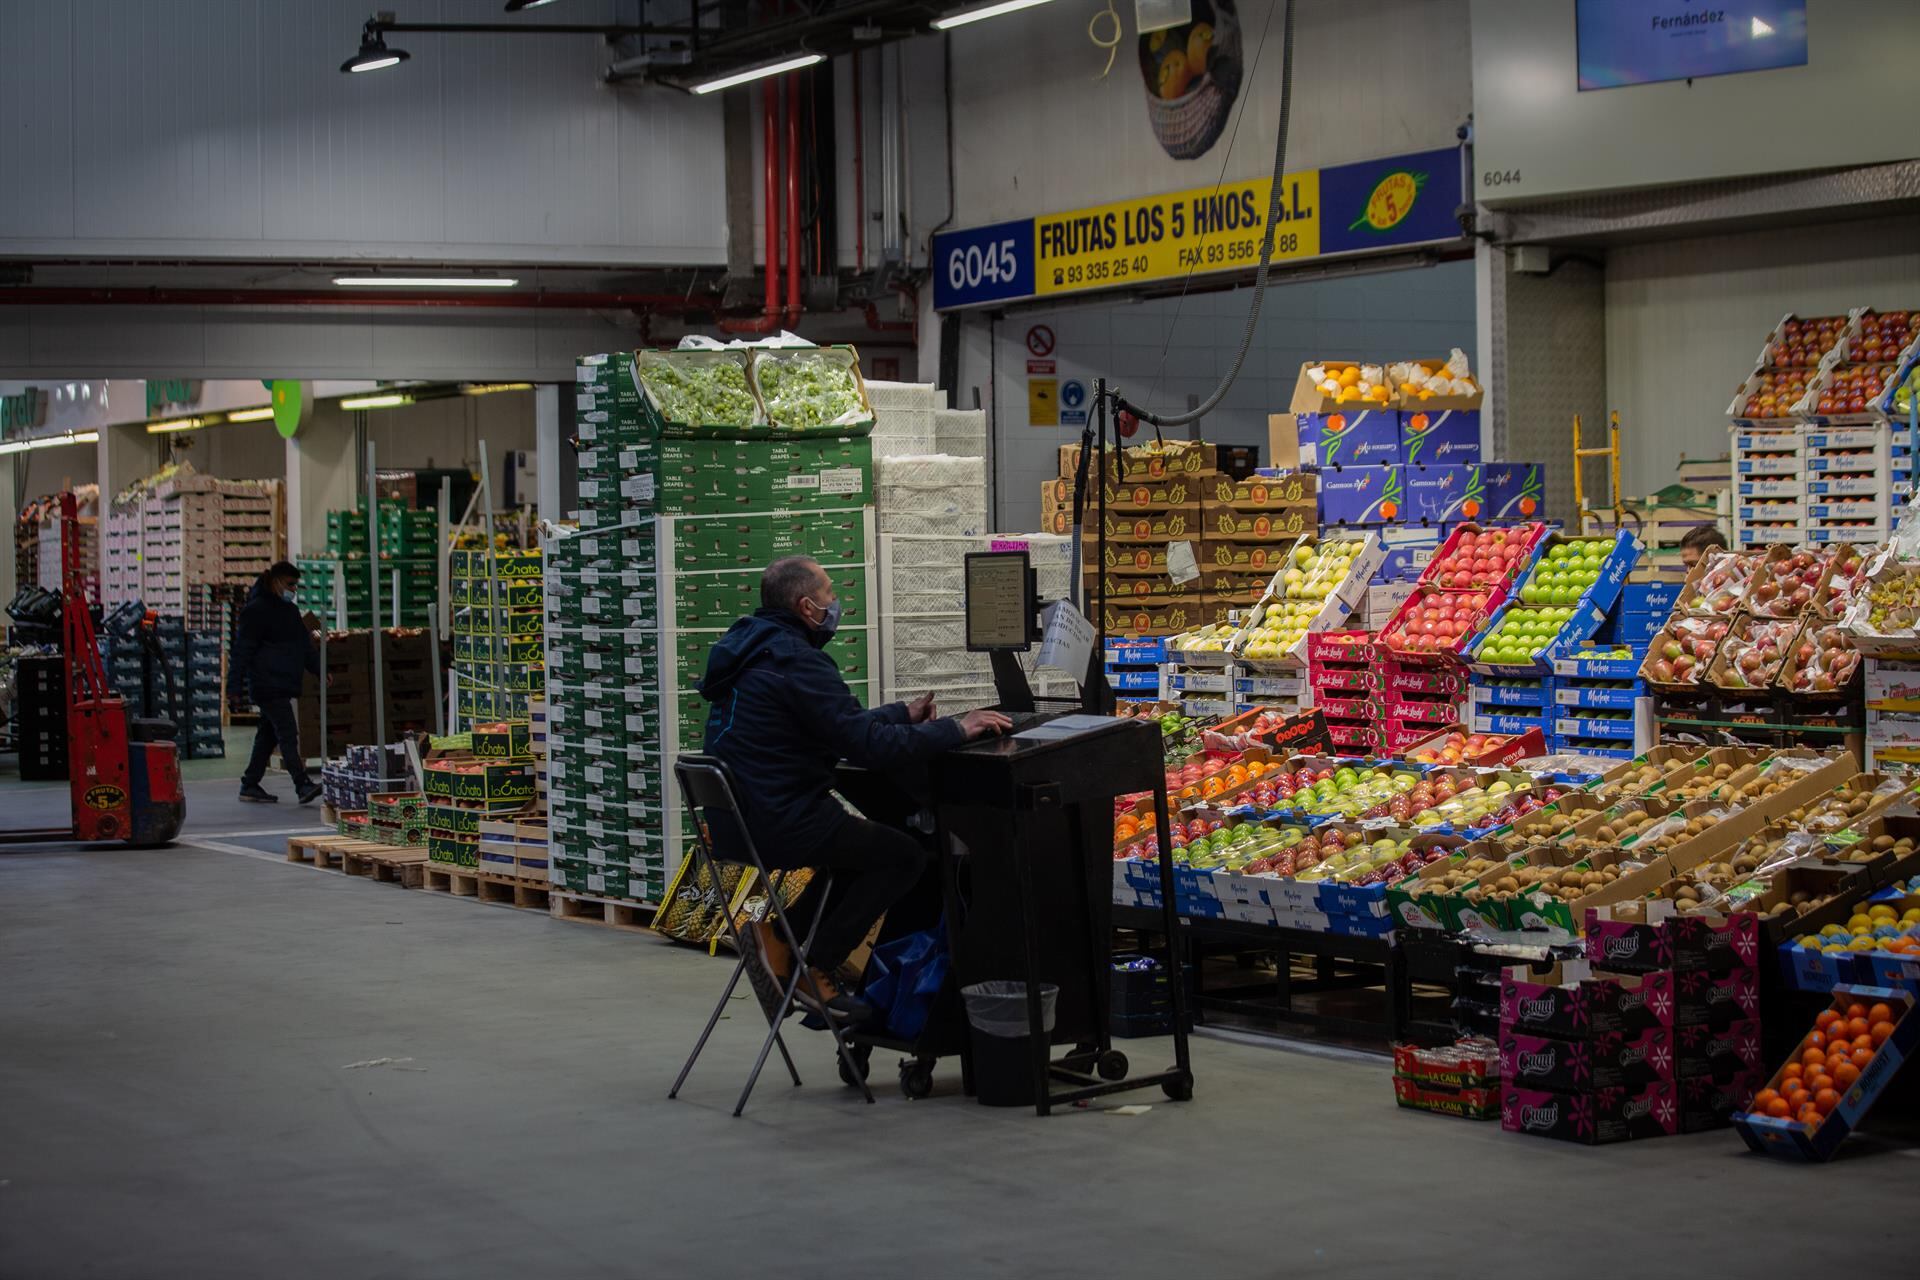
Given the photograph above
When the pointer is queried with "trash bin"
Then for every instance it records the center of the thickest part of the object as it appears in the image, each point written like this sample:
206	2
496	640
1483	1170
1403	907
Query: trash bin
1002	1045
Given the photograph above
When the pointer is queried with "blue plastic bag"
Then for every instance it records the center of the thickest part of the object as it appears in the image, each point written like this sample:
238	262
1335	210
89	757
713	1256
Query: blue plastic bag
903	977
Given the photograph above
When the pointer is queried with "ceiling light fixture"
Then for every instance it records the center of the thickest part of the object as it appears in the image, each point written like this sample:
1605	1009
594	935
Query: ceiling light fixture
521	6
374	53
376	402
251	415
488	388
181	424
425	282
50	442
761	73
965	16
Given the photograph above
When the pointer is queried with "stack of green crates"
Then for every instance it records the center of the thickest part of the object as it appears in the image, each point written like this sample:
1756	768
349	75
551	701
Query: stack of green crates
406	548
406	533
605	763
678	520
497	650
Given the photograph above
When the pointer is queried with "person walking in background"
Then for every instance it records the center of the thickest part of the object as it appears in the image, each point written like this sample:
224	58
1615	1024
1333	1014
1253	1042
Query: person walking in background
1699	542
272	653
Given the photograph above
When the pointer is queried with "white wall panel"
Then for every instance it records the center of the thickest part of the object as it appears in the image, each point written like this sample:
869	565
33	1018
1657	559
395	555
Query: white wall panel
1036	131
1685	320
223	128
36	119
1851	104
1163	351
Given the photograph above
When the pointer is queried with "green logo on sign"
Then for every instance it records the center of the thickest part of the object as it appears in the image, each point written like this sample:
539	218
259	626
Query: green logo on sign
291	400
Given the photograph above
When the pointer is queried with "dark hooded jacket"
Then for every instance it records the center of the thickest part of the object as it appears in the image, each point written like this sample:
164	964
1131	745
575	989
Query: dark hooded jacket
272	650
781	718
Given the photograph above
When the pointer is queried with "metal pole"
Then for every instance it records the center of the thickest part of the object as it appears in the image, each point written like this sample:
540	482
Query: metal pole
373	602
322	684
433	673
443	603
493	561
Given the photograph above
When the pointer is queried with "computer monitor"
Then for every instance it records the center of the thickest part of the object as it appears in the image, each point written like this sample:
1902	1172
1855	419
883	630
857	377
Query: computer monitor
1002	604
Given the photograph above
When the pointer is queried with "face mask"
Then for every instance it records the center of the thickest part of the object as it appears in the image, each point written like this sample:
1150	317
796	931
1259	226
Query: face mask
828	624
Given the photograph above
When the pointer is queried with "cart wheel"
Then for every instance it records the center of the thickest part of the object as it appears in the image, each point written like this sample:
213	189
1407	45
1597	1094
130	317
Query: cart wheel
916	1079
862	1056
1180	1088
1082	1059
1112	1065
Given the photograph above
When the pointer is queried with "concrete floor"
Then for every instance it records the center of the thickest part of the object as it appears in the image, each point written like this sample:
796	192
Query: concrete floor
176	1098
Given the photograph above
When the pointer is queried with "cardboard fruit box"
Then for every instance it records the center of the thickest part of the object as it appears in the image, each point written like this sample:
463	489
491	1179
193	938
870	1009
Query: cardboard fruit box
1785	1137
1262	491
1223	523
1467	1102
1595	1060
1602	1116
1176	525
509	740
1570	999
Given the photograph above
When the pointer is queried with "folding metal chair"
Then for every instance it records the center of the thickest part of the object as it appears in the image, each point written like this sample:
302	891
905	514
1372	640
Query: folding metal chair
706	787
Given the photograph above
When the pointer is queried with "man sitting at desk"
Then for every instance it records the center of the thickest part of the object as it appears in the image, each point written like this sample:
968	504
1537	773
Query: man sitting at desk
781	719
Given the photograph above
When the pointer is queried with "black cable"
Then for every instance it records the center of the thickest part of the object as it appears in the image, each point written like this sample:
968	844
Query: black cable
1274	207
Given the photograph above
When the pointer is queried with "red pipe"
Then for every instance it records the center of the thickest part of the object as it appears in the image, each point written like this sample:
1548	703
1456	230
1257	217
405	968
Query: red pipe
494	299
859	178
769	318
793	198
770	99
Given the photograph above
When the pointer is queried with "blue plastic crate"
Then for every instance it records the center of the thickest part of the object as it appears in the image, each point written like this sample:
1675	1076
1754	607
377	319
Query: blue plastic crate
1536	696
1566	726
1600	697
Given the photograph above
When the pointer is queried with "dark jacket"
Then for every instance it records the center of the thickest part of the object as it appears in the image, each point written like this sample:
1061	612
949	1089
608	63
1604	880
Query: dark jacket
782	718
272	649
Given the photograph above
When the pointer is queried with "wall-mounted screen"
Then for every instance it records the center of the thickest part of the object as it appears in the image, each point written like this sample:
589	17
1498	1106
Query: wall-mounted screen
1625	42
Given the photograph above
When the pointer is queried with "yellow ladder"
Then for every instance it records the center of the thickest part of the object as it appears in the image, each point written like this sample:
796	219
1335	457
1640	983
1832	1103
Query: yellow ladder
1580	456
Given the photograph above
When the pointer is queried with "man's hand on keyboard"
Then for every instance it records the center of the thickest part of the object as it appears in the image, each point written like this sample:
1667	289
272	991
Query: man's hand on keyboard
979	724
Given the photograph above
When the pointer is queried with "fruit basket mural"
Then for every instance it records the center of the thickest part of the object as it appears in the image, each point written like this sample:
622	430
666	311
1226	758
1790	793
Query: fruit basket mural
1192	74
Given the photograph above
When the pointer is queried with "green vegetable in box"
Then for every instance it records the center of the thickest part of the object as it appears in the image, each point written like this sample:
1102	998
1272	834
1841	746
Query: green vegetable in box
812	389
699	389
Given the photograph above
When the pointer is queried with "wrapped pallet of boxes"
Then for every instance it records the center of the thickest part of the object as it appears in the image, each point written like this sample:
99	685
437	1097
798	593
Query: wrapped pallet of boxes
705	466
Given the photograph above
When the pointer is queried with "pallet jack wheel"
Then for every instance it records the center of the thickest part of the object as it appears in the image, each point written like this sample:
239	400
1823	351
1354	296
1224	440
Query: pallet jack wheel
862	1055
1112	1065
1180	1088
916	1078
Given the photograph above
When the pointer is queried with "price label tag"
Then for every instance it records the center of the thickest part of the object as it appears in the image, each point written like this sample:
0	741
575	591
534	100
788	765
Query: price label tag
841	481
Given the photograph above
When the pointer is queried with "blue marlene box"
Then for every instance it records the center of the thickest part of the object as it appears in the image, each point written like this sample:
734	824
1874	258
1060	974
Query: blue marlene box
1362	496
1512	490
1441	494
1440	436
1360	437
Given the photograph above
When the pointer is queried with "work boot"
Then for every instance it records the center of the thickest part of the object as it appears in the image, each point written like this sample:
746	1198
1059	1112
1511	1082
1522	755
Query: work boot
310	793
827	994
774	951
258	794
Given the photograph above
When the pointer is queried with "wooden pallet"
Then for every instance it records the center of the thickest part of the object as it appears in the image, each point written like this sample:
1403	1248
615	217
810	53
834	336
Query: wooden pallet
444	877
322	851
511	891
386	863
609	913
403	865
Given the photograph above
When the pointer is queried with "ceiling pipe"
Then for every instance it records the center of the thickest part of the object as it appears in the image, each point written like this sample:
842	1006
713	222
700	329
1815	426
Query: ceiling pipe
793	199
769	318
